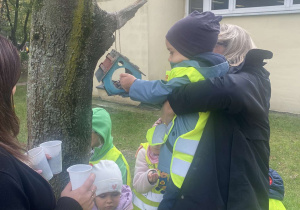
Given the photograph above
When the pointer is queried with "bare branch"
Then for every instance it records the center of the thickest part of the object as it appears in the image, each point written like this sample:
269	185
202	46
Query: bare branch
25	29
14	29
107	23
127	13
1	7
12	4
8	13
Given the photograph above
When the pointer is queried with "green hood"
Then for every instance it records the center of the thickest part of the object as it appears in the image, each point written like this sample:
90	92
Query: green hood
101	124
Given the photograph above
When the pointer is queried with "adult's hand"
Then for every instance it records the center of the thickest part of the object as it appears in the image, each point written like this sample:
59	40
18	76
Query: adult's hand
84	195
39	171
126	81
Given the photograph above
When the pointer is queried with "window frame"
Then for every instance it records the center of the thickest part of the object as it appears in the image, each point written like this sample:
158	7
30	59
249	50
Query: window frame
287	8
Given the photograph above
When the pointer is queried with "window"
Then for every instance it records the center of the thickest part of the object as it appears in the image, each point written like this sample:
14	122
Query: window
196	5
217	5
257	3
245	7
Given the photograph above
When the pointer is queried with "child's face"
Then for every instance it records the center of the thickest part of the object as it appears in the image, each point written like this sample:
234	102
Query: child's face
108	201
155	149
97	140
175	56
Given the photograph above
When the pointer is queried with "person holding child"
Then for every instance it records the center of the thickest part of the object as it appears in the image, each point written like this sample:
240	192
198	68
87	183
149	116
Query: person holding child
190	42
231	163
102	143
21	186
111	193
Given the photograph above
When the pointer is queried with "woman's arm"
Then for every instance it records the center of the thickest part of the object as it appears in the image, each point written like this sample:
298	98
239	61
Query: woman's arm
220	93
247	90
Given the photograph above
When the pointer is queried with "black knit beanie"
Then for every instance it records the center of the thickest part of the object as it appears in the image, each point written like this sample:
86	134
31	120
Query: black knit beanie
197	33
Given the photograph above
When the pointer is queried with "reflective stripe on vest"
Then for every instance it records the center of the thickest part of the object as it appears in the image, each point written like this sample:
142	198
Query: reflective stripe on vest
184	150
193	74
185	145
139	204
159	134
151	199
113	154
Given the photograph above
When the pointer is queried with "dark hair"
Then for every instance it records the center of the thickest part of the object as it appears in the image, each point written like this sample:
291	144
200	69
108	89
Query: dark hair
10	70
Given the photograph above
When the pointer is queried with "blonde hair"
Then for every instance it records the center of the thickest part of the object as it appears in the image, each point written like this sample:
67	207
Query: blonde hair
237	43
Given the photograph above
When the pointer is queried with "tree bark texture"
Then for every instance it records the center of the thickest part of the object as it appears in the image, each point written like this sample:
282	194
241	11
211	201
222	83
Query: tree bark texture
67	39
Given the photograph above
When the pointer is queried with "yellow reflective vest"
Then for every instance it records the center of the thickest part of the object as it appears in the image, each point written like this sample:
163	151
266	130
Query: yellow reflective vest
114	154
152	199
185	145
276	205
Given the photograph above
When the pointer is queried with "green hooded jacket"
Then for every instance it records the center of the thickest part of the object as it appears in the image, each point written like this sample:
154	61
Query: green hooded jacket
101	124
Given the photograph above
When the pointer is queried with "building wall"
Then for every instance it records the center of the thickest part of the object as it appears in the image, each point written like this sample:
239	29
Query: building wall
142	40
162	16
279	34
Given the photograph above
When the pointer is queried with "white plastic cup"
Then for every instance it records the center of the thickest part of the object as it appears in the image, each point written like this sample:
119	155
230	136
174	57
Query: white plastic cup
79	174
39	162
53	148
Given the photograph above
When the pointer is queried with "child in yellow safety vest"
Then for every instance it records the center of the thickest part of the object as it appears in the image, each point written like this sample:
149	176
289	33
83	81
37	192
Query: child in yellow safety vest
190	42
102	144
149	183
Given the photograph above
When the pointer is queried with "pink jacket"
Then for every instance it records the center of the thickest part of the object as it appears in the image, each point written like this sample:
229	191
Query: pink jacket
140	180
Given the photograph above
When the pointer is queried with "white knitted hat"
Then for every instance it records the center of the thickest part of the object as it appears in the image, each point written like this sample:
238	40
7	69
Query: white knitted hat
108	177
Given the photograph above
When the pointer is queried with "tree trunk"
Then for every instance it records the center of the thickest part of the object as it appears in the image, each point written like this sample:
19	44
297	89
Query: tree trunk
67	39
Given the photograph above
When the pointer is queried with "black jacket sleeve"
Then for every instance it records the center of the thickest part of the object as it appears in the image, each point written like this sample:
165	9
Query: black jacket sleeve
231	93
246	91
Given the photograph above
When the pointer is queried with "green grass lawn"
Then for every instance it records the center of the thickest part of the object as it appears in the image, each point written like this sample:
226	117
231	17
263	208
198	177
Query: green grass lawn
129	126
21	111
285	156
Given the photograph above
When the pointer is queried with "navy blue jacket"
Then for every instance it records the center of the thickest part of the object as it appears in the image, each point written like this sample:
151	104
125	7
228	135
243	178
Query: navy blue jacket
230	168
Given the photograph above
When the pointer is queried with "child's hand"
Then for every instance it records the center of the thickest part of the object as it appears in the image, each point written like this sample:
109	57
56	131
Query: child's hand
157	122
126	81
152	176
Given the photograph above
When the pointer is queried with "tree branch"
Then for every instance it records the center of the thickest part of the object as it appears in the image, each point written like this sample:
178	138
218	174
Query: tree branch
25	29
8	14
1	7
14	29
107	23
124	15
